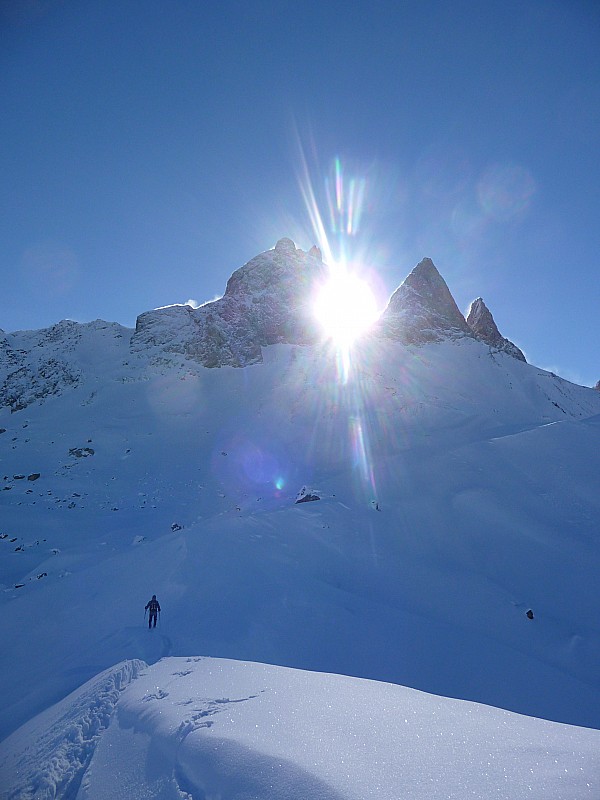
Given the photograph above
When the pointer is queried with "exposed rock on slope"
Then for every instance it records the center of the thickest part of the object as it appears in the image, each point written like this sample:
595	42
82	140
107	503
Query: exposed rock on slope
30	370
267	301
481	322
35	365
422	310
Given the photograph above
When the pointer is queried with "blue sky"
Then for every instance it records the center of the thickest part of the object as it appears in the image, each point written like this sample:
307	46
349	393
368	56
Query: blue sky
148	149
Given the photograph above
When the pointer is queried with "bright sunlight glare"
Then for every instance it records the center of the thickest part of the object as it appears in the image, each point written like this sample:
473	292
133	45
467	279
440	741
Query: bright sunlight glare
345	308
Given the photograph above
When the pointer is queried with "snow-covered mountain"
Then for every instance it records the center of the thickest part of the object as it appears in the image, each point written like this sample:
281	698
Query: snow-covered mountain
457	486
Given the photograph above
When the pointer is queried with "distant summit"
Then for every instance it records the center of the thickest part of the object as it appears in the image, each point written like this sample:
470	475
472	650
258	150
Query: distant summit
422	310
481	322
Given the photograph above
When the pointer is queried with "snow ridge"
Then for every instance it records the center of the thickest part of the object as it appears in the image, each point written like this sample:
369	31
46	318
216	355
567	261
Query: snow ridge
232	729
67	735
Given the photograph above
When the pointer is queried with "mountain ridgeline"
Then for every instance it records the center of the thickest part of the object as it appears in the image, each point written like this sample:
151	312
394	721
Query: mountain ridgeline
267	301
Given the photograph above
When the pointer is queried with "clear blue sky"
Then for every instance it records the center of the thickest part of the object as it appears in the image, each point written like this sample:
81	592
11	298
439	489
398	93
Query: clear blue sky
149	148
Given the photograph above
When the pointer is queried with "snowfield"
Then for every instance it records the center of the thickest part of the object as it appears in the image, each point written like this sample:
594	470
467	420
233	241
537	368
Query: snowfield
216	728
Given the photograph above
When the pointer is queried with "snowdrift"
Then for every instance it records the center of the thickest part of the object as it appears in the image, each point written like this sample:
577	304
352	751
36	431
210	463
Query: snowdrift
216	728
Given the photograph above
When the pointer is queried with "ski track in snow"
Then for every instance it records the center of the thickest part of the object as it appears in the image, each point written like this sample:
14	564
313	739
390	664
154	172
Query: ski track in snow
66	736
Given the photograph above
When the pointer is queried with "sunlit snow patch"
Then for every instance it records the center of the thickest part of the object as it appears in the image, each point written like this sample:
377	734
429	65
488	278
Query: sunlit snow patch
206	727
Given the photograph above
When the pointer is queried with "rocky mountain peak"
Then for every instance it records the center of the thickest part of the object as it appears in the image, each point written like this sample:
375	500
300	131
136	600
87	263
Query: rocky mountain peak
480	318
284	271
425	273
482	323
423	310
285	245
266	301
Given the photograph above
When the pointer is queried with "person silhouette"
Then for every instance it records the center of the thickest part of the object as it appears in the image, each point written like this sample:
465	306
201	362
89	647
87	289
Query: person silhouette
154	607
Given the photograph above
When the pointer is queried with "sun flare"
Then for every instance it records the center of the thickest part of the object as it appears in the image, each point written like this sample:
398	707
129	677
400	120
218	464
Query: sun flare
345	308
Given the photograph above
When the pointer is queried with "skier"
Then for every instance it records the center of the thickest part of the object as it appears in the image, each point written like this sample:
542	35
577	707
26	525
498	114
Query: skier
154	607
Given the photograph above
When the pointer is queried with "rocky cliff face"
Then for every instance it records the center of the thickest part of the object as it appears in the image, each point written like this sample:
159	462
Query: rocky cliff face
267	301
422	310
481	322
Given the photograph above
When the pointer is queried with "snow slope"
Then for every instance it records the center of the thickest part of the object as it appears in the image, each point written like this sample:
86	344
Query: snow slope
215	728
484	470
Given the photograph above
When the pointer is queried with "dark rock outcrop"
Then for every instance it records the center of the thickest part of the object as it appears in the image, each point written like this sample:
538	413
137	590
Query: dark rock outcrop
481	322
308	498
81	452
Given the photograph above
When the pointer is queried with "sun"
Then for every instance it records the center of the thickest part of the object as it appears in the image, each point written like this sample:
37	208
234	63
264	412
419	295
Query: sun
345	308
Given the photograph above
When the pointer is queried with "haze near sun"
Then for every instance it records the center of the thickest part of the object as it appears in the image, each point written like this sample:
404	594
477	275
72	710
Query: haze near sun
345	308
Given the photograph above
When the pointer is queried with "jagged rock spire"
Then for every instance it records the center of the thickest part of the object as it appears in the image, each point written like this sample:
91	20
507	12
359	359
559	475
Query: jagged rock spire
481	322
422	309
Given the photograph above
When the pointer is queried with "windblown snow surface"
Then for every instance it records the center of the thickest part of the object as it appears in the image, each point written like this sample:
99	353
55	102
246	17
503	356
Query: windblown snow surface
459	488
216	728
